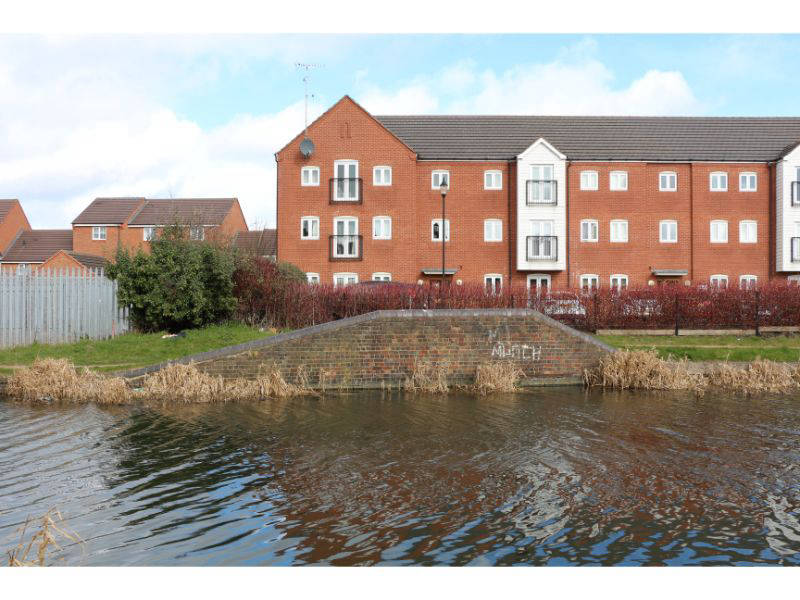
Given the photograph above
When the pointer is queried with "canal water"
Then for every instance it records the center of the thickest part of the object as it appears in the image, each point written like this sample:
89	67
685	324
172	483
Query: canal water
552	477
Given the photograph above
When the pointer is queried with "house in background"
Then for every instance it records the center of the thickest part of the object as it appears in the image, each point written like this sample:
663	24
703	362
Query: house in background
12	222
258	243
42	248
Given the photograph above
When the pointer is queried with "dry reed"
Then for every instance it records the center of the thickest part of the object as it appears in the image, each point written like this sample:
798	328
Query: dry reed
57	379
42	540
427	377
497	377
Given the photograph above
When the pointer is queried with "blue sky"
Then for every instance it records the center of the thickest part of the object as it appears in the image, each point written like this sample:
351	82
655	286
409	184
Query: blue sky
85	116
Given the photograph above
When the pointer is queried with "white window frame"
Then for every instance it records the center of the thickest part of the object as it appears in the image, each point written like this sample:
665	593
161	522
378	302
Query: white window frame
588	186
744	176
194	235
747	282
539	278
148	234
344	276
493	180
312	278
793	279
99	233
346	189
593	281
381	276
311	171
719	174
618	174
436	181
491	278
382	181
492	227
596	230
311	220
721	227
661	238
667	188
384	235
357	240
619	277
718	278
743	228
446	230
619	239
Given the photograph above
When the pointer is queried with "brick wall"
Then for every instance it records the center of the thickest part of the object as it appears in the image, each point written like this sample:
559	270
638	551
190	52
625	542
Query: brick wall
14	222
379	349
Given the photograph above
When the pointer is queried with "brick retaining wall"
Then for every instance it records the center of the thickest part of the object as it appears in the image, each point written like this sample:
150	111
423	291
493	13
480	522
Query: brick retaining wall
379	349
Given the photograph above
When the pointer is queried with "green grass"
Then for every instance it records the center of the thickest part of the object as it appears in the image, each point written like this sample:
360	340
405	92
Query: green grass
131	350
712	347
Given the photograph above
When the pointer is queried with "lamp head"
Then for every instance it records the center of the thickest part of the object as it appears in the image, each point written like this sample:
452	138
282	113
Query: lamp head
444	188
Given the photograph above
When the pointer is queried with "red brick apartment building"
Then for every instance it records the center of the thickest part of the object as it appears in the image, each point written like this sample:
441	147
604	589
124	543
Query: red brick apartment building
545	201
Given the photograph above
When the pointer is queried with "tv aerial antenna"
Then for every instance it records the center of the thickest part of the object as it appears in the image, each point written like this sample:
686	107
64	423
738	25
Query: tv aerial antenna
307	67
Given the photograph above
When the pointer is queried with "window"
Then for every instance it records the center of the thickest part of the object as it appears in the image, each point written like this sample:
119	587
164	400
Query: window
589	282
381	228
589	180
589	230
492	230
309	228
493	283
436	230
542	244
748	182
344	278
312	277
748	232
619	282
719	232
382	176
492	180
381	277
793	280
439	177
719	281
618	181
346	240
619	230
309	176
148	234
197	233
748	282
541	186
668	232
719	181
346	180
667	181
99	233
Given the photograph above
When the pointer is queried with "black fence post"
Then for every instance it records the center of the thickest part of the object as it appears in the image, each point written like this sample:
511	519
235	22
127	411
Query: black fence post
758	302
677	315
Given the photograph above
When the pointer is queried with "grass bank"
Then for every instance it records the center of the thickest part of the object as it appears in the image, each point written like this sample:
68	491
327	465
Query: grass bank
780	348
131	350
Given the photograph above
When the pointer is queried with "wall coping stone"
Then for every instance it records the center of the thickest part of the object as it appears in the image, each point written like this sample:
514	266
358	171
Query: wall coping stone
371	316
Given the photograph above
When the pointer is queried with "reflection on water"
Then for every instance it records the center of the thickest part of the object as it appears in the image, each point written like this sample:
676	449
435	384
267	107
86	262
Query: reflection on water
556	476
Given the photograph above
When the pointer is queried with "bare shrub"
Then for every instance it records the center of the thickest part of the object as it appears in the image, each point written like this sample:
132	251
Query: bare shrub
497	377
427	377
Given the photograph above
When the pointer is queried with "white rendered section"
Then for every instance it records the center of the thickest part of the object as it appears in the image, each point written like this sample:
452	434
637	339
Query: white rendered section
786	214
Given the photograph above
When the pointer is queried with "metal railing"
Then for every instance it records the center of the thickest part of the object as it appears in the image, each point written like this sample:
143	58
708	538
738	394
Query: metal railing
542	247
541	191
346	247
794	247
795	193
348	190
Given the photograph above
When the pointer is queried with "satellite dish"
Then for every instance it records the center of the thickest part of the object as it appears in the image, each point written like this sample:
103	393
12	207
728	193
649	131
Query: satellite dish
306	147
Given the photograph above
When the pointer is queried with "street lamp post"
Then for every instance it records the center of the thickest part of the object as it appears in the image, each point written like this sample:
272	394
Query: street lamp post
443	188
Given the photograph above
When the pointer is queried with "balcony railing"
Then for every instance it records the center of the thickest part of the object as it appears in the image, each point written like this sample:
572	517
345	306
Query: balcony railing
541	191
542	247
794	247
346	191
796	193
346	247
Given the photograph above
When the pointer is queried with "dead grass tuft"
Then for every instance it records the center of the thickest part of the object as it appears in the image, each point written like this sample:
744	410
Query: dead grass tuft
43	538
497	377
57	379
757	377
427	377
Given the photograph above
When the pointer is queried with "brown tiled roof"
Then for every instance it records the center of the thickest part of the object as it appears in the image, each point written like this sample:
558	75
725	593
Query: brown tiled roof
262	242
598	138
108	211
187	211
90	261
37	245
5	208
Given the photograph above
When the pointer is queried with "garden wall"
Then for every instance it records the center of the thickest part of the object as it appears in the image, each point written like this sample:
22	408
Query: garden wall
379	349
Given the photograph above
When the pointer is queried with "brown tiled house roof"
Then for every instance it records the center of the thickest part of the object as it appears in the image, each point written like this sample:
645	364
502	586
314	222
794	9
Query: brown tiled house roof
108	211
5	207
188	211
90	261
262	242
37	245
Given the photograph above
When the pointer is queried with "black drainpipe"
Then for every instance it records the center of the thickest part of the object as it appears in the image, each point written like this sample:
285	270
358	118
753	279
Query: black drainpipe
566	202
512	238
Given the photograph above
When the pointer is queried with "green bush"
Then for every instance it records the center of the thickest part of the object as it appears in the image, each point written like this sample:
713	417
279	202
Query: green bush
180	284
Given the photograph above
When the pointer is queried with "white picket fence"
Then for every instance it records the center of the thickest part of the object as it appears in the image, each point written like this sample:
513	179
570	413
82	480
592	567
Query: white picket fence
53	306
